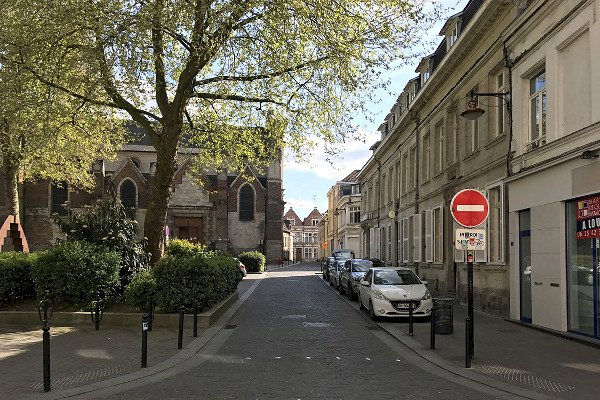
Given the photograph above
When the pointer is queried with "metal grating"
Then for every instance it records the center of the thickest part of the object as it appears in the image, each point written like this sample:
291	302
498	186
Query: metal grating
524	377
230	327
83	377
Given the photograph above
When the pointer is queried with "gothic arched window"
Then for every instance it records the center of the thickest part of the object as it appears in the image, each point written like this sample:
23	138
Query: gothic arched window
246	203
128	195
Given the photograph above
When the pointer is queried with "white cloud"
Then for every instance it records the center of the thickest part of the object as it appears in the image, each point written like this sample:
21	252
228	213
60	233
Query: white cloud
352	155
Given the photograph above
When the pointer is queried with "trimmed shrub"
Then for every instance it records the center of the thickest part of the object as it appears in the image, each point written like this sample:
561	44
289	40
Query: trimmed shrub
141	289
107	224
253	260
74	271
182	247
16	281
207	278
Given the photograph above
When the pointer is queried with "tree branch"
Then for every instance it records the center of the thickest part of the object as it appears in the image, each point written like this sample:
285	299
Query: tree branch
235	97
250	78
159	65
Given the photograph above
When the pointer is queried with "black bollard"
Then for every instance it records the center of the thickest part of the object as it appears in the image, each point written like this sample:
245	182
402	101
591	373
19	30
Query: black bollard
95	312
195	319
432	338
43	306
467	343
150	313
180	336
410	318
145	329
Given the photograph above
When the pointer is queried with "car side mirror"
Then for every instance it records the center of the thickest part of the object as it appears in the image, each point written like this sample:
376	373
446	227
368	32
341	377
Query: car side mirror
425	283
365	283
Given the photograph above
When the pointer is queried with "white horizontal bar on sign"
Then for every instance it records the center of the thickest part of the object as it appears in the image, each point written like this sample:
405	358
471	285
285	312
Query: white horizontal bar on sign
470	207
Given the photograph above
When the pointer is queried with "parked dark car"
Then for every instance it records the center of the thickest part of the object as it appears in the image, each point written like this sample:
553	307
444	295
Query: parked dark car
335	271
328	263
353	272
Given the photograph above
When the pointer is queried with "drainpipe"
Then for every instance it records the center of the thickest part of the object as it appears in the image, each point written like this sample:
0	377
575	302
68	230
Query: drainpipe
509	64
417	119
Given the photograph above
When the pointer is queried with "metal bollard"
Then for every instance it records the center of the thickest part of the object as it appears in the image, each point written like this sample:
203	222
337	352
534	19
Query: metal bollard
467	343
195	319
180	336
44	306
432	330
150	313
410	318
145	340
96	312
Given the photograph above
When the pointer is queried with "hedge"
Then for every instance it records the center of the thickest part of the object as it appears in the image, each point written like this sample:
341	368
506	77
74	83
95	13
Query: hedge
74	271
253	260
16	280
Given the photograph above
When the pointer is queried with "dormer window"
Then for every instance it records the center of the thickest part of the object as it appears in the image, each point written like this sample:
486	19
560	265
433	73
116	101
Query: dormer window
393	119
425	75
452	36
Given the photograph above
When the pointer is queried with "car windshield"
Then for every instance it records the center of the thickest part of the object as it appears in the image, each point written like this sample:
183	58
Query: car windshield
343	255
361	266
395	277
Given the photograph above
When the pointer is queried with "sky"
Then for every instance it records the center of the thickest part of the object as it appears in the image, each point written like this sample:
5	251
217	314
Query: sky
306	183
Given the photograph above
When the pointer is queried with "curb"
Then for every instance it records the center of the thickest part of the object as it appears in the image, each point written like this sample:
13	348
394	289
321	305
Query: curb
59	318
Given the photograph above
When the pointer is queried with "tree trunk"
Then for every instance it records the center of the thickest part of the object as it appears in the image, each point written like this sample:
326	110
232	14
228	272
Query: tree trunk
11	172
154	225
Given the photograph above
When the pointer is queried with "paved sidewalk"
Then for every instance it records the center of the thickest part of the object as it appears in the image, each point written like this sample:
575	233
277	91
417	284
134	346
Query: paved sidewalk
511	354
81	355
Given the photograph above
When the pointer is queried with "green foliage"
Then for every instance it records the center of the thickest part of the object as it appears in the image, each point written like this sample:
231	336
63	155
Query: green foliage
253	260
206	278
106	224
74	271
16	281
141	289
182	247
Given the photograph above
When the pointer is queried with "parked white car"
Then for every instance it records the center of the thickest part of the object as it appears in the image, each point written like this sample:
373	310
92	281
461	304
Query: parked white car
387	292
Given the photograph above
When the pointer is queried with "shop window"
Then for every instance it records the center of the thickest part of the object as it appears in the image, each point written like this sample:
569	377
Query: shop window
246	203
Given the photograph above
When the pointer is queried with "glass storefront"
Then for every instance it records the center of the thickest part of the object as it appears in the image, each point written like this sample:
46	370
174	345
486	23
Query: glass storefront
583	251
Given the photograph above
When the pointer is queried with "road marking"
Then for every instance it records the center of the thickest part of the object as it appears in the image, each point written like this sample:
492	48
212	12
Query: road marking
338	358
367	358
307	358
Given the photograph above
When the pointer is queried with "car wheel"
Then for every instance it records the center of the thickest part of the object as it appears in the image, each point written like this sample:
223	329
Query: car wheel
372	311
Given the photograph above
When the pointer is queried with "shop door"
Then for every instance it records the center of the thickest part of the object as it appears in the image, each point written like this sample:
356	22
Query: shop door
525	264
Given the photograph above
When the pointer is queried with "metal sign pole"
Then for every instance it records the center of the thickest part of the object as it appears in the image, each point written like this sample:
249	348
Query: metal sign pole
470	256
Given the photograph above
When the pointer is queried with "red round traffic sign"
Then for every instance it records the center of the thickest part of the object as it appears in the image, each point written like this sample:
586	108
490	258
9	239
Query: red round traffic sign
469	207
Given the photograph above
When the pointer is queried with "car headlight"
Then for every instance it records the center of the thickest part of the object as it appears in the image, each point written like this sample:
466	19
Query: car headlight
427	295
379	296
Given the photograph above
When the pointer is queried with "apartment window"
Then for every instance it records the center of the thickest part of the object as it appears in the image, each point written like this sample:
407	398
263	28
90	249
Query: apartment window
404	182
355	189
246	203
452	37
128	196
425	75
501	112
452	142
425	157
438	234
413	171
537	110
292	222
377	195
386	188
315	222
438	158
355	215
59	197
496	224
390	185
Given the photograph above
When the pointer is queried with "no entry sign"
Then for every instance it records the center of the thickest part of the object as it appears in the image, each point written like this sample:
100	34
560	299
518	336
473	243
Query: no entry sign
469	208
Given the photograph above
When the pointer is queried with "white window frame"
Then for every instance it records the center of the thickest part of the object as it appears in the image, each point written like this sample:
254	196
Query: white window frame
438	158
426	156
439	239
417	238
538	96
399	242
453	139
501	110
429	236
371	242
501	225
405	241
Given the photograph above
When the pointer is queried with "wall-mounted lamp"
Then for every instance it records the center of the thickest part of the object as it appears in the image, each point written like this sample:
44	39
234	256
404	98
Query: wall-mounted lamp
590	154
473	112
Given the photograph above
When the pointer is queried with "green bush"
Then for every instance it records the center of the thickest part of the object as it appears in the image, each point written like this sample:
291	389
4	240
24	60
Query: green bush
253	260
207	278
107	223
74	271
182	247
16	281
141	289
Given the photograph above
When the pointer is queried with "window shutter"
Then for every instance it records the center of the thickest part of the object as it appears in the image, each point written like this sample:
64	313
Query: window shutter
417	238
405	243
429	236
482	255
459	255
399	240
389	243
371	242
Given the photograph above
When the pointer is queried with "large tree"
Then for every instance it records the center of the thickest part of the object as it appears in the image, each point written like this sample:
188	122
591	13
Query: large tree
225	74
46	133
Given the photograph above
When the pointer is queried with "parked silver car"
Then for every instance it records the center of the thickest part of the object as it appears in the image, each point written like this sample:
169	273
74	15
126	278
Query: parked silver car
335	271
353	272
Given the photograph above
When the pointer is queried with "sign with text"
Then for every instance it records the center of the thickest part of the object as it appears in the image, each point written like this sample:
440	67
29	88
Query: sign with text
588	218
470	239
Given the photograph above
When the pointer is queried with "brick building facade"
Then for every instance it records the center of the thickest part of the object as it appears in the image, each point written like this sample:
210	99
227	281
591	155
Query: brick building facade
228	211
305	234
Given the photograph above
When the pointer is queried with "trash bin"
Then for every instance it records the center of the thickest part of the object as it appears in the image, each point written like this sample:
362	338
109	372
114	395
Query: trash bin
444	318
